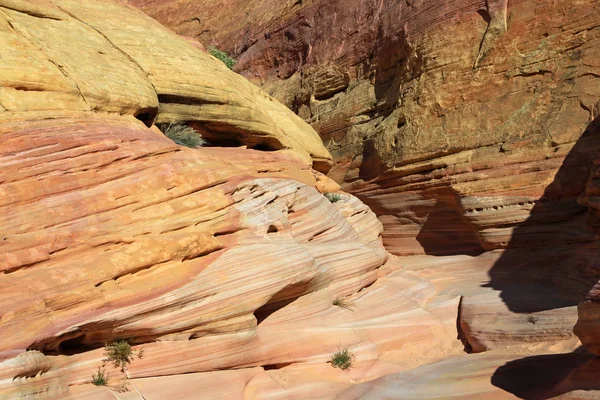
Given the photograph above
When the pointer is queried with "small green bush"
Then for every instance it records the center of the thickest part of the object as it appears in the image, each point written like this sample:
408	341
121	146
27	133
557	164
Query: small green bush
183	135
332	197
100	378
120	354
343	303
221	55
342	359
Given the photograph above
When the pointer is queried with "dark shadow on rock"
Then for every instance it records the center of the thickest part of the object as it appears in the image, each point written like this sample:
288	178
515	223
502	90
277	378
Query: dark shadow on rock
371	165
552	258
445	231
547	376
396	63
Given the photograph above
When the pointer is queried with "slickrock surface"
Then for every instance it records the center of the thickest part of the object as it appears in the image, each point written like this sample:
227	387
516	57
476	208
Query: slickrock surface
229	267
113	231
461	377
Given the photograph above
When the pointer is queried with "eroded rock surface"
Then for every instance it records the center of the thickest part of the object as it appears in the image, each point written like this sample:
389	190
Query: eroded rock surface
229	267
450	119
69	55
114	231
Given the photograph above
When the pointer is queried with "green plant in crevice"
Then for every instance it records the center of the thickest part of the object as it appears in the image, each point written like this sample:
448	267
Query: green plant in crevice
343	303
221	55
182	134
332	197
120	354
100	378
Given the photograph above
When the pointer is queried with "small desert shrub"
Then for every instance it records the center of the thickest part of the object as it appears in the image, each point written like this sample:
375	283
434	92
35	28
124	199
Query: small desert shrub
342	359
183	135
332	197
120	354
221	55
100	378
343	303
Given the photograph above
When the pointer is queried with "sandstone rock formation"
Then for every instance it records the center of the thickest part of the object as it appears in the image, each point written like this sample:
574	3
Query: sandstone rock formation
77	56
449	118
116	232
469	127
229	267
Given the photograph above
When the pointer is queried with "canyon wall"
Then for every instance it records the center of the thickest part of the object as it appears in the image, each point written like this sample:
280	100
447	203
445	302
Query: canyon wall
450	119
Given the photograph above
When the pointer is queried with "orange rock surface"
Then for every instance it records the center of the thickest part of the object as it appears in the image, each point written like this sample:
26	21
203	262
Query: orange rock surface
466	126
115	233
227	265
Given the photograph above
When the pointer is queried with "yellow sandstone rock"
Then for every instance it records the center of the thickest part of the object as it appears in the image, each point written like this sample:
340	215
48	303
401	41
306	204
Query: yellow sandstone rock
71	55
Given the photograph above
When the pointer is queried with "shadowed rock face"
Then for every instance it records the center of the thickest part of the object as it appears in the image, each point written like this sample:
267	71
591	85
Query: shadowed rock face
588	324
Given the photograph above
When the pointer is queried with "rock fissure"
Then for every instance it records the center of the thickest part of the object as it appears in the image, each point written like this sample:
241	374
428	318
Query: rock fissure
29	9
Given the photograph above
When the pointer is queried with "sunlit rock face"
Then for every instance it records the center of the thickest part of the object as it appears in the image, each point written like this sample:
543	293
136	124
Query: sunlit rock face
463	134
450	119
76	56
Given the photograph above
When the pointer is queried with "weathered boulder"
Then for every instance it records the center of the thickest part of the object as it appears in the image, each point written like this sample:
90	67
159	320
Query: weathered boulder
588	323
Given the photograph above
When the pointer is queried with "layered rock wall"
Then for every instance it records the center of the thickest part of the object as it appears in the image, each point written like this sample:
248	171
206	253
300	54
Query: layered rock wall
450	119
467	126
